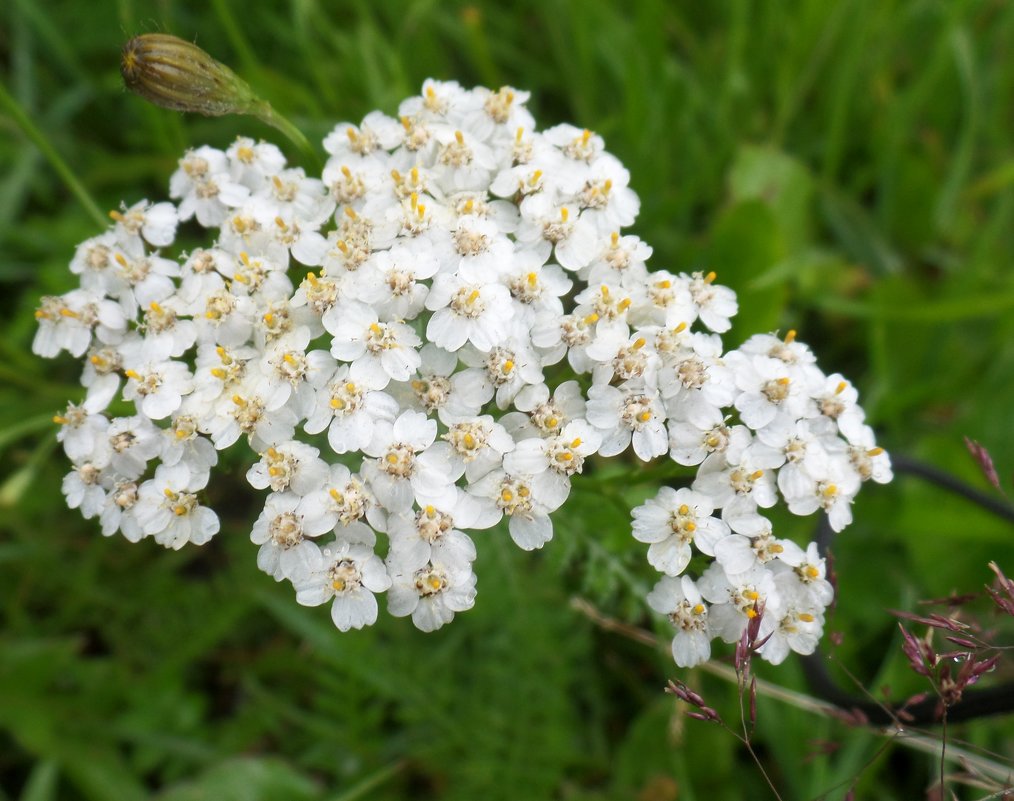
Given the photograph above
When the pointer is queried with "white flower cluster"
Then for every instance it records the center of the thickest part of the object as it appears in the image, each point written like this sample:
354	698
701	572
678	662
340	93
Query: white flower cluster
447	259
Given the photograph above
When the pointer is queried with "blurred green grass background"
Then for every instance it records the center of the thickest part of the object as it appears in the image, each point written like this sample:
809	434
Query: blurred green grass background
847	167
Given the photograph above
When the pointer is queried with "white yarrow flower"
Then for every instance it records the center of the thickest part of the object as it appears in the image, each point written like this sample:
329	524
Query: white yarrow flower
453	303
348	573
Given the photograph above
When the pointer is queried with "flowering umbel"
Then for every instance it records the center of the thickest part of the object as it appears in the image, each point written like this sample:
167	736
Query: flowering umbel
397	340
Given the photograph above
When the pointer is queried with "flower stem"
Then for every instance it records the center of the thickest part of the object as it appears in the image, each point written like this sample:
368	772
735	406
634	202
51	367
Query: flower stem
176	74
21	118
266	114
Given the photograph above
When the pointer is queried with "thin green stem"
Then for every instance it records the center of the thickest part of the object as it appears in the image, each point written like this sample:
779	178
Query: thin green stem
371	782
31	382
266	114
22	429
18	483
21	118
943	752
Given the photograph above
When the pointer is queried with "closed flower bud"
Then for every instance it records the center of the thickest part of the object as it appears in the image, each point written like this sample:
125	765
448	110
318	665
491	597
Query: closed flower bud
178	75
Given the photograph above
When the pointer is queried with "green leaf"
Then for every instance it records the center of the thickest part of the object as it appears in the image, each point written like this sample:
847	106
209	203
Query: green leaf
930	312
746	243
246	779
857	234
102	774
782	182
42	782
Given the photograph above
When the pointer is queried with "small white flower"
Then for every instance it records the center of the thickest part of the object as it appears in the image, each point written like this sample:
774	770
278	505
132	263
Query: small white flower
453	396
736	600
526	500
619	357
157	388
394	284
463	162
168	510
680	601
527	177
377	133
204	187
290	370
695	382
378	352
577	144
93	262
142	280
289	194
628	414
83	487
401	473
769	391
560	455
251	410
285	551
536	287
715	303
509	367
219	371
166	335
809	586
220	316
740	486
621	261
544	415
352	182
439	100
867	459
156	223
82	434
101	376
798	629
555	337
691	444
474	447
349	412
349	572
671	522
118	512
133	442
293	466
68	322
551	227
259	277
482	253
181	444
608	305
832	490
343	500
250	162
798	359
838	400
432	533
498	115
467	312
737	553
433	593
606	199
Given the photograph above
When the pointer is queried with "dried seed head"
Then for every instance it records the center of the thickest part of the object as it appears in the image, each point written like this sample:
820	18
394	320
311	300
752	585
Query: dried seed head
175	74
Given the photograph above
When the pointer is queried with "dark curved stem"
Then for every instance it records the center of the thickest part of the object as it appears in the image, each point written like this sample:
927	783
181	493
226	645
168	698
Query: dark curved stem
976	702
908	466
